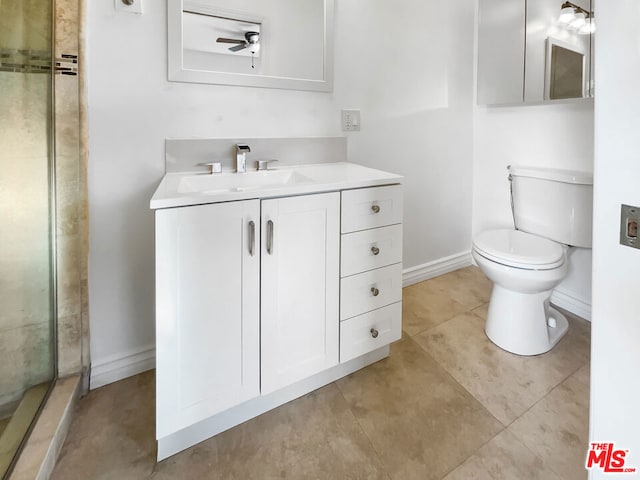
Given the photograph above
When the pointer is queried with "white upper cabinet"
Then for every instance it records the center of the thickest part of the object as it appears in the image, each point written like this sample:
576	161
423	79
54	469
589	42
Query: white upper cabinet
207	311
300	288
501	43
534	51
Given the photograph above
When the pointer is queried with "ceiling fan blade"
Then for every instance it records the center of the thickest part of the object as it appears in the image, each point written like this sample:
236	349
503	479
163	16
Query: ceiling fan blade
237	48
229	40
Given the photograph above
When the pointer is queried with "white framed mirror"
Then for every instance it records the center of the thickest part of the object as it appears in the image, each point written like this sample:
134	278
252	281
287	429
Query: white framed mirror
565	70
285	44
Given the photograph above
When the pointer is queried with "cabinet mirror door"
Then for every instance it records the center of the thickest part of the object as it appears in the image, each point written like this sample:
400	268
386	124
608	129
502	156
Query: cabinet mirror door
558	50
501	33
534	51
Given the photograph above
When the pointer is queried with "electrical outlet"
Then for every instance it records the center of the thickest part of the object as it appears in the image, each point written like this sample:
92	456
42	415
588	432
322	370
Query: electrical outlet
129	6
629	218
350	120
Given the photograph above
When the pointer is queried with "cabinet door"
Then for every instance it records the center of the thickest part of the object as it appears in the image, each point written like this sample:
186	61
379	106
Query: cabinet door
300	288
207	311
501	50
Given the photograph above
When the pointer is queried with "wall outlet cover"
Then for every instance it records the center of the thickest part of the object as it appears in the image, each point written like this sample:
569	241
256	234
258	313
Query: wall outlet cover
350	120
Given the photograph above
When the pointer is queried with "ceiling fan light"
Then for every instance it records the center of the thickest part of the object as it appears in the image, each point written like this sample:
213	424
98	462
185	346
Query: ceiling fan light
253	48
567	15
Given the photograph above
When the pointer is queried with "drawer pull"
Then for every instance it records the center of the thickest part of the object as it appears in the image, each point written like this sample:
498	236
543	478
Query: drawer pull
375	208
375	250
374	333
375	292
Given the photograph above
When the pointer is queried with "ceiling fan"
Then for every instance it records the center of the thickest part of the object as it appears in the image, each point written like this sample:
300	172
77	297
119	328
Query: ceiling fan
251	41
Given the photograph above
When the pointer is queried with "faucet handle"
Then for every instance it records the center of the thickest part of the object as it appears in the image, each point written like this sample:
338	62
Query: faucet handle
264	164
214	167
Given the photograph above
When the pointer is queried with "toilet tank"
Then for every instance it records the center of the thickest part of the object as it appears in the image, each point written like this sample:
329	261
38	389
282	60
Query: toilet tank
553	203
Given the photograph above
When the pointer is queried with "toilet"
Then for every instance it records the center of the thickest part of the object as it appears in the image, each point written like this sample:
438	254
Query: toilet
552	212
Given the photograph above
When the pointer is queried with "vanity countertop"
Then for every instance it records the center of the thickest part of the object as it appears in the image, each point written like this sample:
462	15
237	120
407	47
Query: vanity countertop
182	189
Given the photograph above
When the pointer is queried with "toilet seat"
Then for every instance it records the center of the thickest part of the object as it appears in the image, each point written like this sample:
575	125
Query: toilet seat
518	249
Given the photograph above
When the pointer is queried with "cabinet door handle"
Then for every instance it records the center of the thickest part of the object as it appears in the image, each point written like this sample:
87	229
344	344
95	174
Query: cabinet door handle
374	333
252	237
375	208
375	292
375	250
270	237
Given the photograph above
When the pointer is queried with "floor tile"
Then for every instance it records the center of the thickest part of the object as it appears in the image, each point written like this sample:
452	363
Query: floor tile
420	421
437	407
424	307
467	286
503	458
557	427
314	437
112	435
506	384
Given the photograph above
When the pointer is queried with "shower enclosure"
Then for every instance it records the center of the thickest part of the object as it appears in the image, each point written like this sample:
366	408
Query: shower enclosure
27	240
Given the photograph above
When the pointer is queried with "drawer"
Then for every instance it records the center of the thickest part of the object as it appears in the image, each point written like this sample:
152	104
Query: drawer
367	291
365	333
371	208
370	249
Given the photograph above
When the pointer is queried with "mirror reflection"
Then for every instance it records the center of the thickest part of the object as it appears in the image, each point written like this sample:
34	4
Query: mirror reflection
534	51
565	71
272	43
557	58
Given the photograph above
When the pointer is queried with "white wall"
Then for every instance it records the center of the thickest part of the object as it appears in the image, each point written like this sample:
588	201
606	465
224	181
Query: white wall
615	391
408	67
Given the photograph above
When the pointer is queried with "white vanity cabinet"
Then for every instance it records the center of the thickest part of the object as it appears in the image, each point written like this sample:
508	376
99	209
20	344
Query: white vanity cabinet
260	301
207	311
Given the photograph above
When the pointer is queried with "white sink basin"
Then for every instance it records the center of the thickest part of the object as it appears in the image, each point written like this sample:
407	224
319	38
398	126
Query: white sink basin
182	189
240	182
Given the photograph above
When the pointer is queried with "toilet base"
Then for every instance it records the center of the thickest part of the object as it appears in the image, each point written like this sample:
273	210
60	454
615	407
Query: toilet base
522	323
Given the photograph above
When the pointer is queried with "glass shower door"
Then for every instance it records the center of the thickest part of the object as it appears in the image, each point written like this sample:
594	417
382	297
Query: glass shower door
27	319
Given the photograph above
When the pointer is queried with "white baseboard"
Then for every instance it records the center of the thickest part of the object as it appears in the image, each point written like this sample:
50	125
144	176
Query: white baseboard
119	367
572	304
437	267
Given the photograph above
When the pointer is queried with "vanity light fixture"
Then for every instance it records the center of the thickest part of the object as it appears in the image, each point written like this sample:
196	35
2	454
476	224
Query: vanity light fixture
576	18
566	15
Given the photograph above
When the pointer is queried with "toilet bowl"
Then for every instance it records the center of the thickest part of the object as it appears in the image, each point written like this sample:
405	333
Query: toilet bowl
524	269
552	210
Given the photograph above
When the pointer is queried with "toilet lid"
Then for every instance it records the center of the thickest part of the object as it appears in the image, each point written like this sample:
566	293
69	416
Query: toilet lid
519	249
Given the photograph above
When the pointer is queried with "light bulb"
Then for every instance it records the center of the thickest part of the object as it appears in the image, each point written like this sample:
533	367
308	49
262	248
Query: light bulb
579	21
567	15
588	28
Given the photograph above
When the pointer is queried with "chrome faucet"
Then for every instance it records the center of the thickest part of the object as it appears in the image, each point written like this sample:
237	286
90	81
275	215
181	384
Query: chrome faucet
241	157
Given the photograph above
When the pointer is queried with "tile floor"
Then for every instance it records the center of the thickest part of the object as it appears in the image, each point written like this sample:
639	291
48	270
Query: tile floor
447	404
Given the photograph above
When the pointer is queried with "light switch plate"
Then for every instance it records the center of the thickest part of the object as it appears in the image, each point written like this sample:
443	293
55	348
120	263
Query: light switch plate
350	120
629	219
122	6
